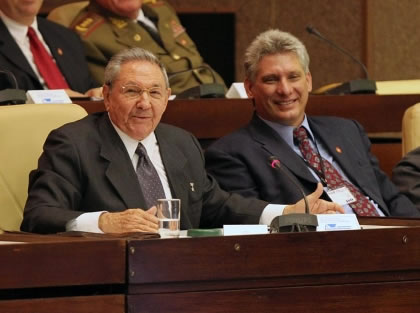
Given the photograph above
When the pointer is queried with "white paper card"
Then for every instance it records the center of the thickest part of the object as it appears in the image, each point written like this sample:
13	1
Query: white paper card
342	196
331	222
236	90
47	96
234	230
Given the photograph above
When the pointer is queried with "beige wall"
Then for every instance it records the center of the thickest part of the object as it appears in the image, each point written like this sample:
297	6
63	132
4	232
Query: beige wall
381	33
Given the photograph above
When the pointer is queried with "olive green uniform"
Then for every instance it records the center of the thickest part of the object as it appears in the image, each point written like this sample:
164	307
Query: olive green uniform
105	34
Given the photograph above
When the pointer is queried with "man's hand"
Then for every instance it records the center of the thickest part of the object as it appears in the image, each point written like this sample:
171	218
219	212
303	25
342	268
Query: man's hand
131	220
316	205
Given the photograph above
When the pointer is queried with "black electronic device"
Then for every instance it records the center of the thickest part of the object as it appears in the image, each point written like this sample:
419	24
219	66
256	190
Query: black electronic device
294	222
364	85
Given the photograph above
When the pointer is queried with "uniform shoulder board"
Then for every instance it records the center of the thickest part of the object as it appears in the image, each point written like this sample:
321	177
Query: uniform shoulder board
87	23
154	3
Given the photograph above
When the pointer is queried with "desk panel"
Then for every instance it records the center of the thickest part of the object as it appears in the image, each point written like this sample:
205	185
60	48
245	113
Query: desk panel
349	271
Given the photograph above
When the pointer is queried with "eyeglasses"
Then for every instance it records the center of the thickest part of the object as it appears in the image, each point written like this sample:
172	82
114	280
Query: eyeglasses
133	92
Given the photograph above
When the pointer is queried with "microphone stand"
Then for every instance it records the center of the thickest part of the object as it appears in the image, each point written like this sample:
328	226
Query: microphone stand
365	85
12	96
294	222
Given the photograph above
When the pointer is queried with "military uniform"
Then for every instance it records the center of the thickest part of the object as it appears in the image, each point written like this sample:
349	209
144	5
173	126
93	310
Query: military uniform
105	34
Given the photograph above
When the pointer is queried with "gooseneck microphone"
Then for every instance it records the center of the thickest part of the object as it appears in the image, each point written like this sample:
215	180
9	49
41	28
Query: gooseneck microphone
11	96
354	86
313	31
294	222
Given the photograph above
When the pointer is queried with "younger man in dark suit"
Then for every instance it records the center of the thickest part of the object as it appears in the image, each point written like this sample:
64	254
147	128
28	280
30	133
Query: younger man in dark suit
330	150
90	176
62	50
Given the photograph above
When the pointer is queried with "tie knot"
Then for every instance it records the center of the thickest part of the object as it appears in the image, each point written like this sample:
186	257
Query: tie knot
300	133
31	32
141	150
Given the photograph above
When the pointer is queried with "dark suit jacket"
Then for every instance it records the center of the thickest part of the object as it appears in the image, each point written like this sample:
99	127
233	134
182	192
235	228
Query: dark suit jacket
406	175
85	168
240	163
71	59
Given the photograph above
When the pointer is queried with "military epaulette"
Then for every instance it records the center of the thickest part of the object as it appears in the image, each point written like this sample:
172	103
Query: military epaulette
87	23
154	3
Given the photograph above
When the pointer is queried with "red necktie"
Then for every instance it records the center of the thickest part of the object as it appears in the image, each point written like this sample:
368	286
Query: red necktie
45	63
362	205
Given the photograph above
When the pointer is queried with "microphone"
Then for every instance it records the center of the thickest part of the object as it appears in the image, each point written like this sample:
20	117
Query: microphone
213	90
294	222
354	86
11	96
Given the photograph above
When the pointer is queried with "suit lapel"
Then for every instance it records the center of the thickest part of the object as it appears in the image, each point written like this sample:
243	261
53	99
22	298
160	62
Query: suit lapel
338	147
10	49
174	161
271	141
119	171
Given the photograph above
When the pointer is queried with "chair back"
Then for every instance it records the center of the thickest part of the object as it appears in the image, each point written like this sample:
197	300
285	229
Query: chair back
23	130
411	129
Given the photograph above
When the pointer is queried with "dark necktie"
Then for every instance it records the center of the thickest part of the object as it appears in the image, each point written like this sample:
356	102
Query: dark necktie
152	32
334	180
49	71
149	180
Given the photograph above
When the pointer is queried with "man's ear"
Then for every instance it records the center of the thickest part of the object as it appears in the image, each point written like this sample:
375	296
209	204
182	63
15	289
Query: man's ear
106	90
248	88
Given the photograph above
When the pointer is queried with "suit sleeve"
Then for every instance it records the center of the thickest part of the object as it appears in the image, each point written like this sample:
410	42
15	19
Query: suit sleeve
54	191
406	175
398	204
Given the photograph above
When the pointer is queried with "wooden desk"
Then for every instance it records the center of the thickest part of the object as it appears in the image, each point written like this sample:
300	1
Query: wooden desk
45	274
209	119
352	271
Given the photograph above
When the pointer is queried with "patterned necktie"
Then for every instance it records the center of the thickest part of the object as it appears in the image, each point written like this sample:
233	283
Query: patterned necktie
334	180
149	180
49	71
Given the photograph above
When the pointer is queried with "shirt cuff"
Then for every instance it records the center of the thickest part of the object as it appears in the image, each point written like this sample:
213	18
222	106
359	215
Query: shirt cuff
87	222
270	212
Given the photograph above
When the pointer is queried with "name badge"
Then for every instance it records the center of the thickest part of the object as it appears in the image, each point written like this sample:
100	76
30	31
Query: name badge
341	195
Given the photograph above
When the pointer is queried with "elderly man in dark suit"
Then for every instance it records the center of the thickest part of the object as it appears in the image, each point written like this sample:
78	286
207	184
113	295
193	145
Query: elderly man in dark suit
62	47
105	172
330	150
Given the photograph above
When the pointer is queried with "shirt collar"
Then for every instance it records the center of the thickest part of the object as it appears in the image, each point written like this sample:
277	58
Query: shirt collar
131	144
17	30
286	131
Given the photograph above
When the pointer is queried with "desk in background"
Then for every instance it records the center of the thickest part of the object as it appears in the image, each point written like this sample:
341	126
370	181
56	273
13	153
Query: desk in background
209	119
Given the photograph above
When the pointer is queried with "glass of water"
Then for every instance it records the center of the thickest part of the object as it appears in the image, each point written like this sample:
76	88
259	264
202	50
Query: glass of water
168	213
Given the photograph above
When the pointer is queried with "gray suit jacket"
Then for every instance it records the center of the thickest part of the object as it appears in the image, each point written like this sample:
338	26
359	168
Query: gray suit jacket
240	163
85	168
406	175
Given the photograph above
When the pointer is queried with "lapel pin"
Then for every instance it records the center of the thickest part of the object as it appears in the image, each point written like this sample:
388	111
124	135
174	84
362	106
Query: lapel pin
192	186
338	149
59	51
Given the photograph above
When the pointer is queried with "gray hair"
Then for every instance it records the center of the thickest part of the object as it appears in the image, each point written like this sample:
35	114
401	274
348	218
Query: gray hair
270	42
113	68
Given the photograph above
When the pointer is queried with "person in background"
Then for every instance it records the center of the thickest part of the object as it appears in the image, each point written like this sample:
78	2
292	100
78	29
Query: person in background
105	172
41	54
330	150
109	26
406	175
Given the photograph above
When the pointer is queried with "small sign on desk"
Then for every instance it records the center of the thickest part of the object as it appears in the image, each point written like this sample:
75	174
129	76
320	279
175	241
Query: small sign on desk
47	96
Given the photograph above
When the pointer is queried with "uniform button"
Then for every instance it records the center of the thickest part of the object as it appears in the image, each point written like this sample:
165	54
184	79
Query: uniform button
137	37
175	56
